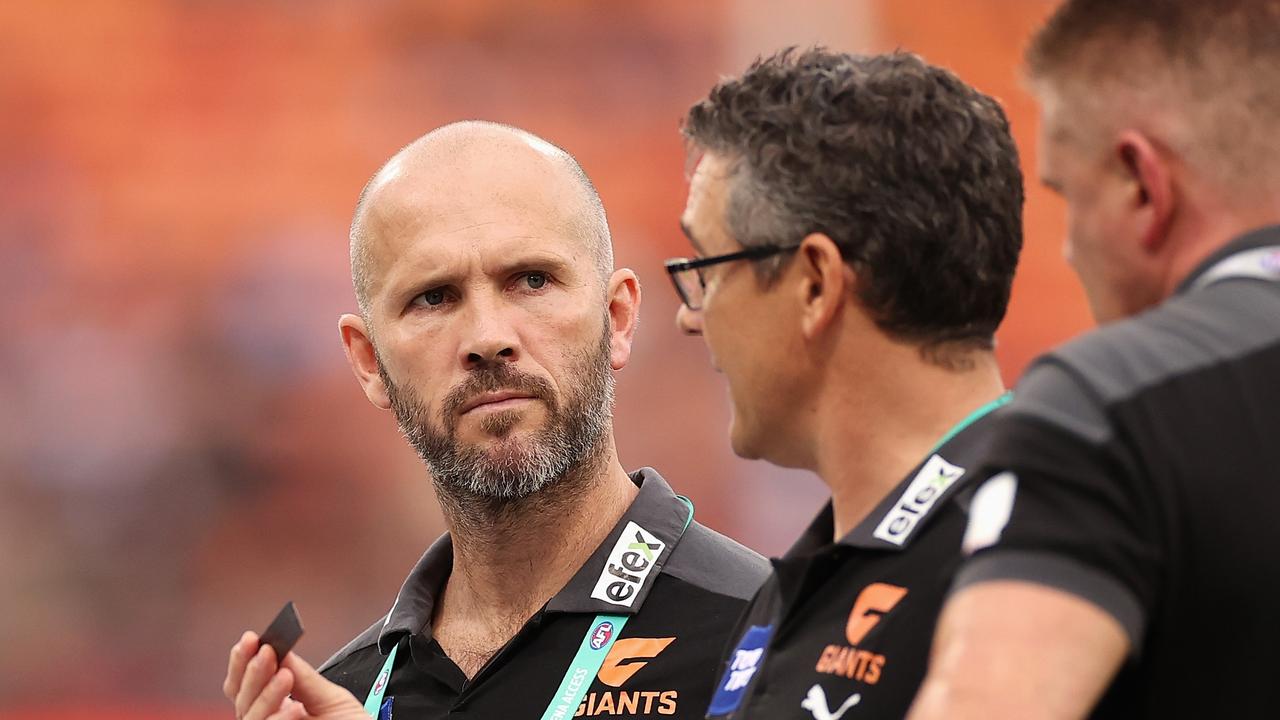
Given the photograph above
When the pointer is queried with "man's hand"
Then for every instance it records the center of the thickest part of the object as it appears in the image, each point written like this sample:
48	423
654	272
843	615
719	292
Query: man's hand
260	688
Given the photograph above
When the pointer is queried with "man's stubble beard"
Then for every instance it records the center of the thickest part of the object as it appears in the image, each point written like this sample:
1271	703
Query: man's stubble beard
561	456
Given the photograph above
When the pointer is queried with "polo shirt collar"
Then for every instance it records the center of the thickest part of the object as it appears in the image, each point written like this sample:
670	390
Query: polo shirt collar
657	511
903	512
1253	240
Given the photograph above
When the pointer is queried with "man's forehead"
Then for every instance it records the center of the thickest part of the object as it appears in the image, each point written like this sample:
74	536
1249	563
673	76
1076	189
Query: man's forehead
711	168
706	186
1062	128
445	194
425	224
393	226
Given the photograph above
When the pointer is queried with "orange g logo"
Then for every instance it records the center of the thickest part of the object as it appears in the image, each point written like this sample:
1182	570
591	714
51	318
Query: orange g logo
874	601
627	657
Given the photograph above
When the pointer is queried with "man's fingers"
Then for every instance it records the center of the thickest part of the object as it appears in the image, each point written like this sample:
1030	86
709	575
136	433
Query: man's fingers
271	701
321	697
311	689
244	649
257	674
290	711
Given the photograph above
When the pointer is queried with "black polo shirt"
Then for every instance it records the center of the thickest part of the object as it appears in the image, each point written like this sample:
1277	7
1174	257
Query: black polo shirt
662	664
1139	469
846	627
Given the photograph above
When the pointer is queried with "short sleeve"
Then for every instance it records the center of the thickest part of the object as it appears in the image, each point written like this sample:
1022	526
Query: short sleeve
1065	503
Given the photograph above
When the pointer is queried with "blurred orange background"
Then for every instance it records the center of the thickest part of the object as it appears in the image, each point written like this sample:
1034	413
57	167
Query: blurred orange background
182	447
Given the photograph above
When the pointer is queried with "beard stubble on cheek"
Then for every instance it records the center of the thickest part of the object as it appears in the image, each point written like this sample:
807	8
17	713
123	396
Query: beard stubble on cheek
506	467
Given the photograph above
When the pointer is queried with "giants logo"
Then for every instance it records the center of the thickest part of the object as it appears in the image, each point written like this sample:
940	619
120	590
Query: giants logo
625	659
634	556
873	602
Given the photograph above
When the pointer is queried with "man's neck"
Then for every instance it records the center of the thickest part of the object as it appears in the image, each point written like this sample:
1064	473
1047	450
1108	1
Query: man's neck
1204	226
509	562
873	431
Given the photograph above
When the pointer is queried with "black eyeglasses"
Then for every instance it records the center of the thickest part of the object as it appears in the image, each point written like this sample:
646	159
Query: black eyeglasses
686	274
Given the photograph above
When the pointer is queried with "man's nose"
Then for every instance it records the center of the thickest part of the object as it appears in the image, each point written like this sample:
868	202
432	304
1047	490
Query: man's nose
689	321
490	339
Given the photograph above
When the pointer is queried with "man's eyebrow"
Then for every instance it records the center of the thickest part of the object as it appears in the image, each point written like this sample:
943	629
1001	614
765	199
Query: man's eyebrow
548	260
688	232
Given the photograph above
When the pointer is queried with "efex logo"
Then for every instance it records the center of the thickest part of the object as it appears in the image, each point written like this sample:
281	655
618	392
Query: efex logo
632	559
625	659
917	500
875	600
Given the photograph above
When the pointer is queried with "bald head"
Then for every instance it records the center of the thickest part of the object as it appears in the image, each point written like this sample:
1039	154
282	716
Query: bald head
443	176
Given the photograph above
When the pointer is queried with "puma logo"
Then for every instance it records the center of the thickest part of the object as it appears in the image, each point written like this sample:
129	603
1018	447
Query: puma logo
816	703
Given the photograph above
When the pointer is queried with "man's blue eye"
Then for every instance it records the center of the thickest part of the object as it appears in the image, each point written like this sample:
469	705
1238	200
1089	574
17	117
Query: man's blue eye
536	280
433	297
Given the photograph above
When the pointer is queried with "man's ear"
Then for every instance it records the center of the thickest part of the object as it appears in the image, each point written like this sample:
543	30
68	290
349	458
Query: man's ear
358	344
1152	195
825	283
624	314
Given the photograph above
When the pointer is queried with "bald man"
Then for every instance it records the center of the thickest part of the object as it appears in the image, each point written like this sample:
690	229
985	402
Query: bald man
491	320
1123	550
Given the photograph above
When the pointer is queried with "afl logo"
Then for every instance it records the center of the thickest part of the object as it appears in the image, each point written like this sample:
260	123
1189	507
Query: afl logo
601	635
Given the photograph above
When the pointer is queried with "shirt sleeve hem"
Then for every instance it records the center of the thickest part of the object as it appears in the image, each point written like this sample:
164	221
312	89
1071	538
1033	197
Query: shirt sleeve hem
1063	574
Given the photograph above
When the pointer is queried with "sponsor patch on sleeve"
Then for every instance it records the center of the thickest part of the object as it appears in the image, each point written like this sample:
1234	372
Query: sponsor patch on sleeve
989	513
747	658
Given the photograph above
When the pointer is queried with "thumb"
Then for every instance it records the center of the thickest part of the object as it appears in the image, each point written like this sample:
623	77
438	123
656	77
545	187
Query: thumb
321	697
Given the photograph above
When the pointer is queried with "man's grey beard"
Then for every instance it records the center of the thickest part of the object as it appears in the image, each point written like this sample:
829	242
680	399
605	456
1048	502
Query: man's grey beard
513	469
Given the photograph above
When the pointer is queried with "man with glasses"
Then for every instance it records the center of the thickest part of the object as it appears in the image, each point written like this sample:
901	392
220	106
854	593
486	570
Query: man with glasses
857	222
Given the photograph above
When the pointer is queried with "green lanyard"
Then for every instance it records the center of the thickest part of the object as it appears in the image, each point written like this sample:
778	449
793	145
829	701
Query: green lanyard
595	647
591	654
374	701
971	418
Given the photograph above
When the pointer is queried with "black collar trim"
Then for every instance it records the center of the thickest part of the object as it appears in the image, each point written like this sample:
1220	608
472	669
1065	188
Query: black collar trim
901	515
657	514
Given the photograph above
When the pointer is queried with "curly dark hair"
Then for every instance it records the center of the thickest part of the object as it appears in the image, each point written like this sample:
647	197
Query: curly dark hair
909	170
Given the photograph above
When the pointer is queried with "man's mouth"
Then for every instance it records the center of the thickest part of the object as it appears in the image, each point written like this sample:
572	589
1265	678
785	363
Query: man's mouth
497	400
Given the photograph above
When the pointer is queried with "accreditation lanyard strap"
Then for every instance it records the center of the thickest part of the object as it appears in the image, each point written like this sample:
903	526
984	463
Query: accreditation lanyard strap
582	671
374	701
972	418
